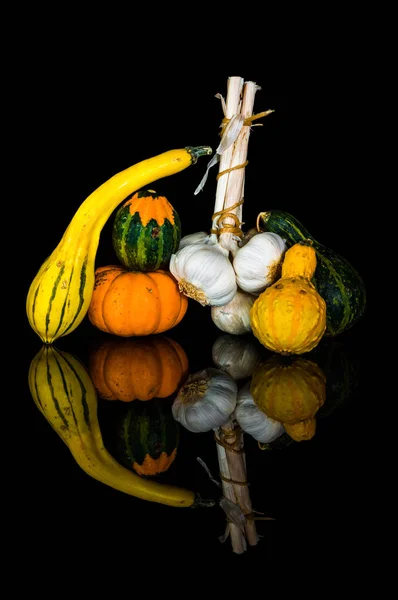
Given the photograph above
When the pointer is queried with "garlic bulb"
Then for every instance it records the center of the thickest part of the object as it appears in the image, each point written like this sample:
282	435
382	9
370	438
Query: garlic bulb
205	401
254	421
257	263
204	273
200	237
237	356
234	317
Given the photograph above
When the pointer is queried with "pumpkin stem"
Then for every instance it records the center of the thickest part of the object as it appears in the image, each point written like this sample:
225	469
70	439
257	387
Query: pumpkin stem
198	151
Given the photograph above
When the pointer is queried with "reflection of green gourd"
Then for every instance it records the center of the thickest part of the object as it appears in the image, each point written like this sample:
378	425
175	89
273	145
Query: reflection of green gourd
147	437
335	278
342	369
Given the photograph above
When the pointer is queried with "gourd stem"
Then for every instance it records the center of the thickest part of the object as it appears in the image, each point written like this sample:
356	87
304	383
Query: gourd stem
198	151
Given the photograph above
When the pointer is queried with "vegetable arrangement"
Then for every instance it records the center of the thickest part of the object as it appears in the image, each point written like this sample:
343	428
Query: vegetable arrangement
274	283
275	280
60	294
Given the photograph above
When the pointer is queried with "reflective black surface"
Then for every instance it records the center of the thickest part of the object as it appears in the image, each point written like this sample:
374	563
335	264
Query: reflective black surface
315	490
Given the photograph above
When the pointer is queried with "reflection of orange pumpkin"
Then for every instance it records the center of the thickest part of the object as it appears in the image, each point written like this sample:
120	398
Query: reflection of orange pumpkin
138	368
130	303
290	390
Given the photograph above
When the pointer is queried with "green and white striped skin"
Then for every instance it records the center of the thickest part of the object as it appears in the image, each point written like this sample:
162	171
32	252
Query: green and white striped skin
146	232
335	278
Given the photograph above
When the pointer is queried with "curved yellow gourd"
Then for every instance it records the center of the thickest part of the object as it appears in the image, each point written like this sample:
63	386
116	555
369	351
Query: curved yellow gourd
65	394
60	294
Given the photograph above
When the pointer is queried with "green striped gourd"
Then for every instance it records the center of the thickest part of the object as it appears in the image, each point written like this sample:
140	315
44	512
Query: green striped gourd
146	232
335	279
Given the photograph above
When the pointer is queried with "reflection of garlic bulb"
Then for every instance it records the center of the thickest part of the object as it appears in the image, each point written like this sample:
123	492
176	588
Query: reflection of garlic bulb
237	356
254	421
257	263
204	273
200	237
205	401
234	317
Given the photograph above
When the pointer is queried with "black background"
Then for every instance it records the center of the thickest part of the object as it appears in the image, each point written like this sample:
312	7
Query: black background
90	116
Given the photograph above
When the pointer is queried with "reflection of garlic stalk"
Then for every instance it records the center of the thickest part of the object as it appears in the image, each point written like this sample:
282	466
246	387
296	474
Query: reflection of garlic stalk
237	356
200	237
205	401
254	421
204	273
257	263
234	317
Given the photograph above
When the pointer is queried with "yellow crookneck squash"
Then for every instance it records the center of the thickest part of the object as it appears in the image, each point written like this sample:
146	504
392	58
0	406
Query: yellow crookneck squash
289	317
290	390
60	294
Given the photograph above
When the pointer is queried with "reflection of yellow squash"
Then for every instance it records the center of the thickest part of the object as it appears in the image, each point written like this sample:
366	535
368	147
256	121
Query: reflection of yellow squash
290	390
137	368
66	396
289	317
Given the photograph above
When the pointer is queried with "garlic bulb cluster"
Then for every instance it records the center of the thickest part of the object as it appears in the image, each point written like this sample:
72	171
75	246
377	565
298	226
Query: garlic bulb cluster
254	421
234	317
257	263
205	401
237	356
204	273
200	237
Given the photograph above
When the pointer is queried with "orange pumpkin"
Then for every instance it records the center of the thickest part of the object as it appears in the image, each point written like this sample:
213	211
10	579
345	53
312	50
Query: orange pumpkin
138	368
131	303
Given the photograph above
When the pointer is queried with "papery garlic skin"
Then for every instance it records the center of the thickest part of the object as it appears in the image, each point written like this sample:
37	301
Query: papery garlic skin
204	273
236	356
205	401
257	263
234	317
254	421
200	237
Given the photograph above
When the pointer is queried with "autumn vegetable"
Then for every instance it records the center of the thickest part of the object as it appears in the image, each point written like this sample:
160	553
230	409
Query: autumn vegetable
290	390
60	294
137	368
253	420
336	280
234	317
146	232
205	401
289	317
147	437
204	273
257	263
65	394
237	355
131	303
